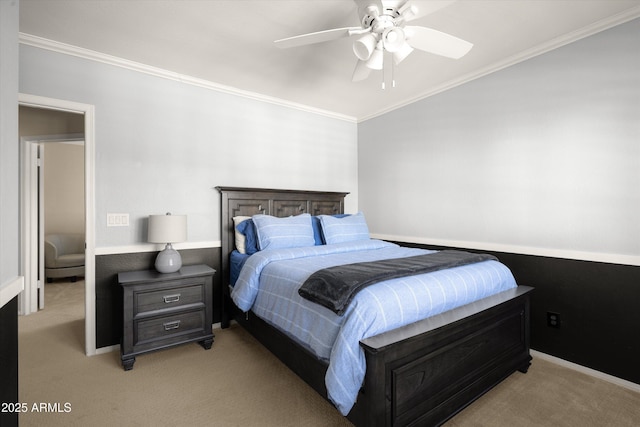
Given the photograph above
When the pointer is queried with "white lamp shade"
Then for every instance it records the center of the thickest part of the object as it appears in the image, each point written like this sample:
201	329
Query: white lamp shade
375	62
364	46
402	53
167	228
393	39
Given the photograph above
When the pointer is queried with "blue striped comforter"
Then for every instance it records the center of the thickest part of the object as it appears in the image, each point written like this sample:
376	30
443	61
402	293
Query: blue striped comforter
269	281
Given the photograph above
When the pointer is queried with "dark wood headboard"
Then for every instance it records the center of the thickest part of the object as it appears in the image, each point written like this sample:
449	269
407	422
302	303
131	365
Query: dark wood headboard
239	201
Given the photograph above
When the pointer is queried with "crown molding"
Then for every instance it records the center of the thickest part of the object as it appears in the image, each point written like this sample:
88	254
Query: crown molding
560	41
91	55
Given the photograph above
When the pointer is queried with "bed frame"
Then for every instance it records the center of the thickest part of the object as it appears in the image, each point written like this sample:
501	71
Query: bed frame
420	374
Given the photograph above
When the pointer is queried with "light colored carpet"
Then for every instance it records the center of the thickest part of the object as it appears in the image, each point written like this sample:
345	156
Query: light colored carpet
239	383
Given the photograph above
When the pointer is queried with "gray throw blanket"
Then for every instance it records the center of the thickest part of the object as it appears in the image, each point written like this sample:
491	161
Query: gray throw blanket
335	287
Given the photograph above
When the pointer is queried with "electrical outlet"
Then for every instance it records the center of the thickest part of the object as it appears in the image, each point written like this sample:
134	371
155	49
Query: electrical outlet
553	319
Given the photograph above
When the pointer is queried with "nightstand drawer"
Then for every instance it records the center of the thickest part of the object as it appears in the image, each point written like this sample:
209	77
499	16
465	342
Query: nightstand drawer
169	297
166	327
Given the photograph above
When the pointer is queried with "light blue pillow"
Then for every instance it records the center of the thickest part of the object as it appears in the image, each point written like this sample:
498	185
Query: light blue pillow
347	229
317	228
280	233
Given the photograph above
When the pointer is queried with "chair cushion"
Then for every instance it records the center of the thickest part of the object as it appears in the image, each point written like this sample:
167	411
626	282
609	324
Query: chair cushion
71	260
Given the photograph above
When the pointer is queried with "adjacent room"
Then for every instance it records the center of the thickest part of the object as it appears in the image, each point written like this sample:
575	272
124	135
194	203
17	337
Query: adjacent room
200	162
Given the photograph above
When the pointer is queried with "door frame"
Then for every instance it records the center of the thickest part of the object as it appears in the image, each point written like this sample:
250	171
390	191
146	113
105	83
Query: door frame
32	153
88	111
31	299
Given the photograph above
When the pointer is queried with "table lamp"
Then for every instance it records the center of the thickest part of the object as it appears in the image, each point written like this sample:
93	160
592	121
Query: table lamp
167	229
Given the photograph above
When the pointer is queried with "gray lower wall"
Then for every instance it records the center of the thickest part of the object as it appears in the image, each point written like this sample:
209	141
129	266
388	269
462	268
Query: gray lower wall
9	360
109	294
598	307
597	303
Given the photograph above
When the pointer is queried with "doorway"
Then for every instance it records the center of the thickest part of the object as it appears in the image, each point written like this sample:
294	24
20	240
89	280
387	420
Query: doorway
34	279
53	185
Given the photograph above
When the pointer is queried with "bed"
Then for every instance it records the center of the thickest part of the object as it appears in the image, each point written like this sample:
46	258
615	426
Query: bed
419	373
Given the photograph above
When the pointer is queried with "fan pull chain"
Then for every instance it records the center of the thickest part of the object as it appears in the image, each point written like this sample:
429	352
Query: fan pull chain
393	78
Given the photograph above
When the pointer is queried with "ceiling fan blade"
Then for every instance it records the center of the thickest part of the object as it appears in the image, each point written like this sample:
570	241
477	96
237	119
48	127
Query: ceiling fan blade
318	37
363	5
361	72
437	42
416	9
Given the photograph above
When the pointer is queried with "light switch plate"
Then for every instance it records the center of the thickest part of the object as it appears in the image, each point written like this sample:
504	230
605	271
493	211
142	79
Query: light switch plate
117	220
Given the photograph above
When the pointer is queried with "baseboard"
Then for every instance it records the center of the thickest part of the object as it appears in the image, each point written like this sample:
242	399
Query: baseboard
592	372
536	354
108	349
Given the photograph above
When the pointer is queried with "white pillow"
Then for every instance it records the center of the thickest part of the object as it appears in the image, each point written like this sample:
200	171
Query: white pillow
240	239
278	233
347	229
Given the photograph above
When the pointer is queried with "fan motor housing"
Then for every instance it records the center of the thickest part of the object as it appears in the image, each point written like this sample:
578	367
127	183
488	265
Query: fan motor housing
379	22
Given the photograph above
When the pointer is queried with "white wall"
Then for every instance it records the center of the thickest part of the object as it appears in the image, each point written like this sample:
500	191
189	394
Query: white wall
163	145
9	178
63	188
540	157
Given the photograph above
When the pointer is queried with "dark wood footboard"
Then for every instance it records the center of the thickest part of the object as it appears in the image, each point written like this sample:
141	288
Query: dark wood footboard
426	372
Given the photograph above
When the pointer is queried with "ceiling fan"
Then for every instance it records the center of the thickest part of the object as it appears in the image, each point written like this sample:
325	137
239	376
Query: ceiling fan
383	30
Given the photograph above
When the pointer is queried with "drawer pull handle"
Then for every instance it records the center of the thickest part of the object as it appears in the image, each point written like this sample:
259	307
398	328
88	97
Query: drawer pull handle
171	298
171	325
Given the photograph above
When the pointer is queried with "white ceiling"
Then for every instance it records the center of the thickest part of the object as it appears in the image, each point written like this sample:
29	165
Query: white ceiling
230	43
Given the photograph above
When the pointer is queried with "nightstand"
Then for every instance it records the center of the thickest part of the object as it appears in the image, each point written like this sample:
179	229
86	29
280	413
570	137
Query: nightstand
165	310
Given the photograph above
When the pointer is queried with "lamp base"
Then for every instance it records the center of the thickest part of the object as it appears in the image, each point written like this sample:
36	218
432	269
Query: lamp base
168	260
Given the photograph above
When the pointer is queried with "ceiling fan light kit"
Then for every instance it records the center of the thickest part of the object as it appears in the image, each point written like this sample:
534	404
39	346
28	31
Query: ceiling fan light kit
383	29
